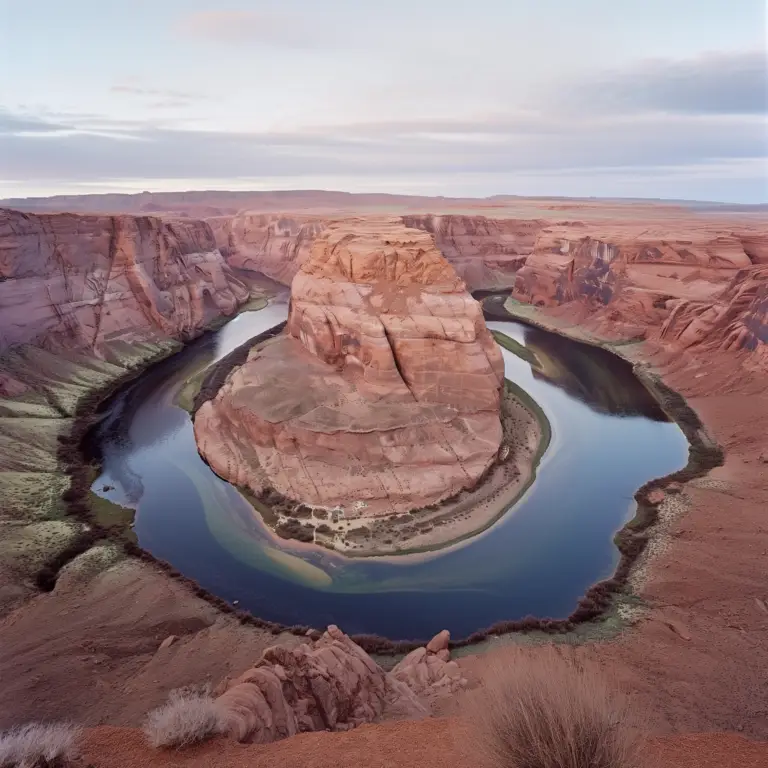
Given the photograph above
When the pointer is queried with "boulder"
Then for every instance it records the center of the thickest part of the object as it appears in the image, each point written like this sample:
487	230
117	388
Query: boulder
332	685
439	642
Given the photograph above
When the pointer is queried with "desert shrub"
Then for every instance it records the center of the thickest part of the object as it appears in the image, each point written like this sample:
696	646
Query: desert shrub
548	712
186	718
39	746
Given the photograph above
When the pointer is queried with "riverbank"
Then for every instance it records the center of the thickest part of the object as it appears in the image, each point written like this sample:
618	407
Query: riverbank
691	649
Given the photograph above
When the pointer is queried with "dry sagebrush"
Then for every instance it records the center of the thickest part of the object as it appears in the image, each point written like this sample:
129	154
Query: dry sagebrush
39	746
188	717
545	711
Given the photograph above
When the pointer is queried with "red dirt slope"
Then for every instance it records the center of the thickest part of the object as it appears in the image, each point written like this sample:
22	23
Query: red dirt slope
405	744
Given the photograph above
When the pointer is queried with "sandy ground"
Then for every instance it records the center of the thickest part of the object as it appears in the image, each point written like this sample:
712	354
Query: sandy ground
415	744
88	653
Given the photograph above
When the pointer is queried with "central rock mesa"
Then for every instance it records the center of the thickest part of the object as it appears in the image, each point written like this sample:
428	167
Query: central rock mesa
383	393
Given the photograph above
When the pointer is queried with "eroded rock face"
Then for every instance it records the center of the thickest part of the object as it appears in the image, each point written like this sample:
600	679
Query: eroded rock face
331	684
70	282
692	285
273	244
486	253
382	395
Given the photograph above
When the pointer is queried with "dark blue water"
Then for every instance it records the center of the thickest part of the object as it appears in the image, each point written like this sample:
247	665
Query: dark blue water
609	437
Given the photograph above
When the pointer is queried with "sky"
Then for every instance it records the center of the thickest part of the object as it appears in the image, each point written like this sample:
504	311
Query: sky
606	98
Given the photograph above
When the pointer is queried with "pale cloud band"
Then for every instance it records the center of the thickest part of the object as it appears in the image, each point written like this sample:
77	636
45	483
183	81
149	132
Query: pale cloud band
659	118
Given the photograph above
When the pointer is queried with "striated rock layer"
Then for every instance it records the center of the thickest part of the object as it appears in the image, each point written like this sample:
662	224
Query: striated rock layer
485	252
383	394
684	286
70	282
331	684
273	244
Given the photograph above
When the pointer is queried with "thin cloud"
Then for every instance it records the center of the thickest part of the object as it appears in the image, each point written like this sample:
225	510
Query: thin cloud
713	83
163	153
162	93
12	123
249	27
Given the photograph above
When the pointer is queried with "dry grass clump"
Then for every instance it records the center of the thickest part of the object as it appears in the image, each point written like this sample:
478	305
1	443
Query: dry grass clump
545	711
186	718
39	746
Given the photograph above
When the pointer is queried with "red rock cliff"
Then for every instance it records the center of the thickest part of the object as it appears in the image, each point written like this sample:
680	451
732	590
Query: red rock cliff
486	253
692	285
273	244
71	282
382	396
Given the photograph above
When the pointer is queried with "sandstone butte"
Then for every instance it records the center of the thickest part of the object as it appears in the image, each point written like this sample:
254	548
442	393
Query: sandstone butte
690	291
383	393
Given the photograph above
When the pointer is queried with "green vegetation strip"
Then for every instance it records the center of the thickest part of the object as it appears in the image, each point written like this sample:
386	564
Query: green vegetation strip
516	348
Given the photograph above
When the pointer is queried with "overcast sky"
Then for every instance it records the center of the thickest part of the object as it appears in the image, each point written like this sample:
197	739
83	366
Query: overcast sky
651	98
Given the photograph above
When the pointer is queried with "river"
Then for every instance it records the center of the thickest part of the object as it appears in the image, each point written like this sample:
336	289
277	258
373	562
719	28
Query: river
608	438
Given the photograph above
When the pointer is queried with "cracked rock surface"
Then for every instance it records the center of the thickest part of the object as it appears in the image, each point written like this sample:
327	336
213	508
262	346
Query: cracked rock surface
383	393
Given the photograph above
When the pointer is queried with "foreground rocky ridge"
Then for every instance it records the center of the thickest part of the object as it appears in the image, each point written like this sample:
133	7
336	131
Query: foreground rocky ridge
382	396
329	683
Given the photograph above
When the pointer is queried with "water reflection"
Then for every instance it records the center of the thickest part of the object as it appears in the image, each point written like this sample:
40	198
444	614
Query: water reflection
593	375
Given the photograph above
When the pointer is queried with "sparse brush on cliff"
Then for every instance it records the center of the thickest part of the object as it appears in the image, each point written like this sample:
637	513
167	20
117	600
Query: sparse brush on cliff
547	712
39	746
187	718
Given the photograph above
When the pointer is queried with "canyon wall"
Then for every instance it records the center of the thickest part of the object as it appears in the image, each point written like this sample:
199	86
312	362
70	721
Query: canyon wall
384	393
688	285
485	253
71	282
275	245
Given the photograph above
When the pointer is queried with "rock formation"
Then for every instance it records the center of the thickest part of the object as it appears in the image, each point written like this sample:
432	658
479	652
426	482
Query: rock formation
73	282
273	244
383	394
685	285
331	684
486	253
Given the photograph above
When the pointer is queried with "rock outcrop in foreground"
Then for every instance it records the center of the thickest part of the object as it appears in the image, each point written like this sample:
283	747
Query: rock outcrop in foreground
382	396
331	685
